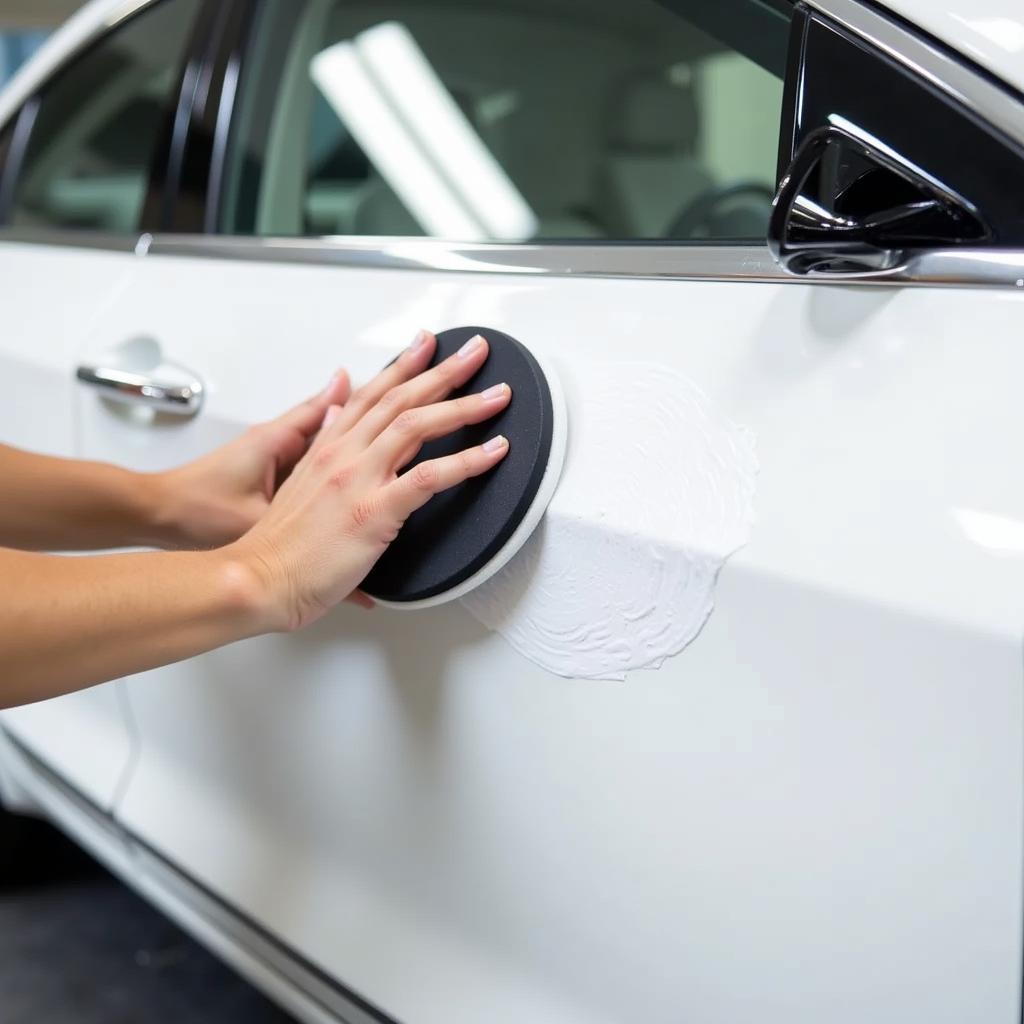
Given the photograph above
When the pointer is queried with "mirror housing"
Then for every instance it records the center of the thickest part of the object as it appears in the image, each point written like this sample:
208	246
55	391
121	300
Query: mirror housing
849	205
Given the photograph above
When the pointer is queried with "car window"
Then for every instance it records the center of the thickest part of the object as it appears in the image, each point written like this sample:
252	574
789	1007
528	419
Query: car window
510	120
94	137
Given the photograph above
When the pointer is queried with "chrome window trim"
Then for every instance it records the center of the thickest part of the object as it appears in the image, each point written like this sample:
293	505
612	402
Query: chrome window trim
996	105
716	262
993	268
959	267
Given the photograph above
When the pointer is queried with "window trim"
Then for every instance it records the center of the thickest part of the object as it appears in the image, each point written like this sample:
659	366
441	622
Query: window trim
21	133
999	268
205	106
164	180
970	268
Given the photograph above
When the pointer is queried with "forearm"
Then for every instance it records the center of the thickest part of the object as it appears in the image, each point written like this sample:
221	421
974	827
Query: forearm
67	622
52	503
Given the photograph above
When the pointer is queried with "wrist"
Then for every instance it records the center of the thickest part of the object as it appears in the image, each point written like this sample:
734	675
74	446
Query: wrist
247	594
159	522
259	587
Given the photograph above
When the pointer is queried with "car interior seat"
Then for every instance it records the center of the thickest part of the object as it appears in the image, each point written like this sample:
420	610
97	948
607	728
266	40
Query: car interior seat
650	170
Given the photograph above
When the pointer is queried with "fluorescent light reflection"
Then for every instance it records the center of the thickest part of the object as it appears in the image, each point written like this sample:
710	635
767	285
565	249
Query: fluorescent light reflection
992	532
393	102
444	132
445	259
340	75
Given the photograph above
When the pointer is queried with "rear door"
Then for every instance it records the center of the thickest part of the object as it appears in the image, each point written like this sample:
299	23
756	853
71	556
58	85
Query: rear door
787	519
80	147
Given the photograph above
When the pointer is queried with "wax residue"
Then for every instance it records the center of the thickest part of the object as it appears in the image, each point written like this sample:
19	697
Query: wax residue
656	493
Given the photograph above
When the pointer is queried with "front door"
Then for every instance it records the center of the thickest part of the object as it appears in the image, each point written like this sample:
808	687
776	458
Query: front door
739	733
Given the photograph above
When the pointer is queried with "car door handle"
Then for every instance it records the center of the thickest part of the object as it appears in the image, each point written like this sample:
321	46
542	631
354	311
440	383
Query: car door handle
179	398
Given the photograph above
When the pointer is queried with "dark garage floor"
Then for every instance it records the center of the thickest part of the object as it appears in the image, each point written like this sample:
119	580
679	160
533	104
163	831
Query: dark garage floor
77	947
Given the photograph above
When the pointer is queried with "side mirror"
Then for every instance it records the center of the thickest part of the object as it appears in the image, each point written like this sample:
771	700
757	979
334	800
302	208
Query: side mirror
849	205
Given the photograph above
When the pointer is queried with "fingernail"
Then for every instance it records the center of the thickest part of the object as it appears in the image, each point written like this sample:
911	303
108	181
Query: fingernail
419	341
494	392
471	346
330	416
331	383
495	443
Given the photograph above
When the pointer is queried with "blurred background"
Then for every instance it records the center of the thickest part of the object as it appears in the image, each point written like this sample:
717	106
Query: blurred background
24	24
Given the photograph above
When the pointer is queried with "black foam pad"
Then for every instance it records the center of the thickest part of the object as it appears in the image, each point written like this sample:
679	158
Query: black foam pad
459	531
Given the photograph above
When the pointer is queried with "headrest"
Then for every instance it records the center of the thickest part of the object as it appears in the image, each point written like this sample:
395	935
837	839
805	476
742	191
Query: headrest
653	115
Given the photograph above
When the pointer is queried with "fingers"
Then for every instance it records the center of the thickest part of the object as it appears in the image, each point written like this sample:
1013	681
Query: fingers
333	411
422	482
287	437
307	416
424	389
400	441
411	362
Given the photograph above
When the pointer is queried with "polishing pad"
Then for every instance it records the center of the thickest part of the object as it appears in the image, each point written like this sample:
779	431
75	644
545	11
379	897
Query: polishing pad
464	535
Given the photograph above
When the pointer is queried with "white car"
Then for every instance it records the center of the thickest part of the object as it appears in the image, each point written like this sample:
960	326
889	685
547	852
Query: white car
740	733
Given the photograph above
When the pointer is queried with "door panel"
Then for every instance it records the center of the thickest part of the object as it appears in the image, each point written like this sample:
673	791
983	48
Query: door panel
84	736
811	813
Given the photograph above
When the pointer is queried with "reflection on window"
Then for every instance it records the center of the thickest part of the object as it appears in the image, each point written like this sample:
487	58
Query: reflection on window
399	112
567	119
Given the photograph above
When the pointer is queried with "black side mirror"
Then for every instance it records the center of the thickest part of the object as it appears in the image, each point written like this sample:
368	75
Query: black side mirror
849	205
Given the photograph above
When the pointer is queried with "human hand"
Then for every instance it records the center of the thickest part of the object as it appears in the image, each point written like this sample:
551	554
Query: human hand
344	502
217	498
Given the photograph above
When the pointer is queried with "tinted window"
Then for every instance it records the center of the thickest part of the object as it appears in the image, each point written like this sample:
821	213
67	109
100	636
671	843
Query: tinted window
510	119
88	158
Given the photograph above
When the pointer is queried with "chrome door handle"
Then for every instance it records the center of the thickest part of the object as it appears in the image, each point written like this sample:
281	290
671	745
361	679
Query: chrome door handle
182	398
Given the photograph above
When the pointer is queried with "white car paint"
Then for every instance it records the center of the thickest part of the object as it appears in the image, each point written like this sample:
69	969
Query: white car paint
85	734
813	813
989	32
421	811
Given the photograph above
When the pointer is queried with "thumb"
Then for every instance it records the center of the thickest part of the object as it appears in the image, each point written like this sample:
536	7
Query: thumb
306	417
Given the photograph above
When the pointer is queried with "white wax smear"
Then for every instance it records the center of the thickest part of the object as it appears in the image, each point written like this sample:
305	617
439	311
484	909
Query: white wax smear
657	491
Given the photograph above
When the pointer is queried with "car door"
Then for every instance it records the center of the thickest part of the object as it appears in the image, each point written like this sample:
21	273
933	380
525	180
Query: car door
739	733
80	142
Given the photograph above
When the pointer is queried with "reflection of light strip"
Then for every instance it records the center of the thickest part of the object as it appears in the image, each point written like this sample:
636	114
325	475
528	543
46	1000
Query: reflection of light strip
403	72
418	254
341	77
873	142
820	213
996	533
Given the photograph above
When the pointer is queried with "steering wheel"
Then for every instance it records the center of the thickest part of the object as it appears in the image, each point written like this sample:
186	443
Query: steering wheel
698	212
